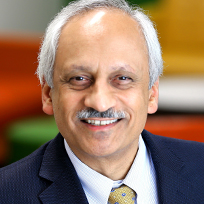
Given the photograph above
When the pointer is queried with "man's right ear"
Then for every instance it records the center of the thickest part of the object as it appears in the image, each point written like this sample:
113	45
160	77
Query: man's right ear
47	99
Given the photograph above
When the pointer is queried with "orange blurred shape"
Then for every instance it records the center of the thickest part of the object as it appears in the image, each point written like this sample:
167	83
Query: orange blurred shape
188	127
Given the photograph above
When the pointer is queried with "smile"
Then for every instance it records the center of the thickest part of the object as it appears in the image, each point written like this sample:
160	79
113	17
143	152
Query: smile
101	122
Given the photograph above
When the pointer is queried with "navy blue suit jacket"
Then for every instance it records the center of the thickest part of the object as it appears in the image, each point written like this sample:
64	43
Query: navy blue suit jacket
47	175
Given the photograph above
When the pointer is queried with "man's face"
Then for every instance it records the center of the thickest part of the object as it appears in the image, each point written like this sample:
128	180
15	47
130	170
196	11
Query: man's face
101	63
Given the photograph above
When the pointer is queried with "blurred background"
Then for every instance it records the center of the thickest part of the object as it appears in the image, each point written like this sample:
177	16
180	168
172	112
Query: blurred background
23	125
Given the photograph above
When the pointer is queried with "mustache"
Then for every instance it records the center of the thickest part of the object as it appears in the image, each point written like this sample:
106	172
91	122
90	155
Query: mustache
92	113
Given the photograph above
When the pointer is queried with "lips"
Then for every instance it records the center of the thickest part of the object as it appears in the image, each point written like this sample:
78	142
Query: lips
101	122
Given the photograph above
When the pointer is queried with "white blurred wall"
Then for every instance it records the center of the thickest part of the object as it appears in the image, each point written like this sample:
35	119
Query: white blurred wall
27	16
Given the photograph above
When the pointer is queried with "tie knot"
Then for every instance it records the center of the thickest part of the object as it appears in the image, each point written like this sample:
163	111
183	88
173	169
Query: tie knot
122	195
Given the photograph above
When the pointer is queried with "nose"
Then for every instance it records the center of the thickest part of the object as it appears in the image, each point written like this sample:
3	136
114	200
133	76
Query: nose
100	97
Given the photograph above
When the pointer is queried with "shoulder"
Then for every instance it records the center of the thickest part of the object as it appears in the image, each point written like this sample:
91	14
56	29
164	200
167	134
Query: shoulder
22	178
178	165
191	153
29	164
172	142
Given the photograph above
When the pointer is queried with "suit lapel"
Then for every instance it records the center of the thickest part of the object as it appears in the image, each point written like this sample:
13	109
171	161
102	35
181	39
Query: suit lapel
58	170
172	185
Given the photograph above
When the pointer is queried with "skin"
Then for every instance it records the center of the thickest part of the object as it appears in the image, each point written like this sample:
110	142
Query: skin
101	63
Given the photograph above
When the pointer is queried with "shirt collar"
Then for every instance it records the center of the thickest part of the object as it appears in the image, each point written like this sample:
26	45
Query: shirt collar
97	187
143	172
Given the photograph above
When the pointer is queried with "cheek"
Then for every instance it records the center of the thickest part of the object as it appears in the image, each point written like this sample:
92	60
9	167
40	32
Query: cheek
135	103
68	104
135	100
65	112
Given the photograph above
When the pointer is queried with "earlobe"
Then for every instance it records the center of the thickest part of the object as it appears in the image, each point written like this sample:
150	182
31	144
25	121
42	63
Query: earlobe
153	98
47	99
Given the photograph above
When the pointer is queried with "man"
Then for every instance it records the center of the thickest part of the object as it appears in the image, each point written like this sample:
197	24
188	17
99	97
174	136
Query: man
99	68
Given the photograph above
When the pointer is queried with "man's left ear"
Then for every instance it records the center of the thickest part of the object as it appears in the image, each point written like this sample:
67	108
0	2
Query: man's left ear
153	98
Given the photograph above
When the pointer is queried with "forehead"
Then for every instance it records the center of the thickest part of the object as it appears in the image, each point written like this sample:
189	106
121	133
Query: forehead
104	35
102	21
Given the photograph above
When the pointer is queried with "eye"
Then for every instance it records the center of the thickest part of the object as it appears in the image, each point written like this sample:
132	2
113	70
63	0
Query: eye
79	78
80	82
122	82
123	78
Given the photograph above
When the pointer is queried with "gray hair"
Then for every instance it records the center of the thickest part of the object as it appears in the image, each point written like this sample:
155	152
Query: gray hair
49	46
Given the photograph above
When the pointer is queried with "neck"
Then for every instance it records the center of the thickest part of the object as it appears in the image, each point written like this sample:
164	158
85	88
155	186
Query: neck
115	166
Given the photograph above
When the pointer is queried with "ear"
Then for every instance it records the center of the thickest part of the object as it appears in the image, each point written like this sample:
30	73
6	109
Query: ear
153	98
47	99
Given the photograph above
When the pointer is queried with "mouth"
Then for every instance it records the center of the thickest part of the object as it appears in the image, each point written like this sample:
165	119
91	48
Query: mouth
100	122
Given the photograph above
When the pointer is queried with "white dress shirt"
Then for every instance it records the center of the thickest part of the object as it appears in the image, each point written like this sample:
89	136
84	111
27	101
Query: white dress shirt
141	178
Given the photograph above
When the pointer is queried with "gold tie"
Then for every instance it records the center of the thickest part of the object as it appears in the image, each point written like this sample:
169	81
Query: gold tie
122	195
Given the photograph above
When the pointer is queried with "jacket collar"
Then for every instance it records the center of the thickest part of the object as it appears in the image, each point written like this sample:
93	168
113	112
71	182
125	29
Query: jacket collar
172	184
57	169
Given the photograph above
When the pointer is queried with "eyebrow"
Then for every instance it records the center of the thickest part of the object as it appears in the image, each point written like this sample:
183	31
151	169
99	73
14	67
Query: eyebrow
124	67
74	69
80	68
